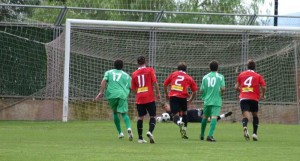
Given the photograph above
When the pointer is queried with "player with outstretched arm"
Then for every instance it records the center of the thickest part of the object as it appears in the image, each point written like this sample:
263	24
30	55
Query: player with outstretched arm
143	82
117	85
248	85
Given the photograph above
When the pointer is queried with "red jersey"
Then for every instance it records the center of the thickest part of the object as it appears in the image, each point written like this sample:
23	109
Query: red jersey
249	85
142	82
179	82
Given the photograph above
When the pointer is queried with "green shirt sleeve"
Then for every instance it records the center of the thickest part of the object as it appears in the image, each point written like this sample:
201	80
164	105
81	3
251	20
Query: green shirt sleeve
105	76
223	81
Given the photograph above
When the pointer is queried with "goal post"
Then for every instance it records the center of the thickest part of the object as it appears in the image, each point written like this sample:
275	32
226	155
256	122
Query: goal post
95	44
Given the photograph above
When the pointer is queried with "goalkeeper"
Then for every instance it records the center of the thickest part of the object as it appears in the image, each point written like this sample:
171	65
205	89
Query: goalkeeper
117	84
193	114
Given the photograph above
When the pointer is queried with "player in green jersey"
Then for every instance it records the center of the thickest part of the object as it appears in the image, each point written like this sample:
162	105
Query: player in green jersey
211	91
117	84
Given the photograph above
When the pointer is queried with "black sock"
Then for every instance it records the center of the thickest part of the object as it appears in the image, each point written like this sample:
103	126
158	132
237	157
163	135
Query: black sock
185	120
175	119
140	128
245	122
255	124
152	122
171	116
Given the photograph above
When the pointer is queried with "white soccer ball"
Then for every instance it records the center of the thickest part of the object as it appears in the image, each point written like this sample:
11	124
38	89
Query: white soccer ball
165	117
158	119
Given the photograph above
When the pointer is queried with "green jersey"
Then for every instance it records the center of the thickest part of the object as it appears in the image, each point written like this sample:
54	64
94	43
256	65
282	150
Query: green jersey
211	89
118	84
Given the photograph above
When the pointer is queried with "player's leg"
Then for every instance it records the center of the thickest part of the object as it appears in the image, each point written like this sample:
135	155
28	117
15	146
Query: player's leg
141	113
175	109
245	108
224	115
117	124
113	103
183	107
215	111
151	109
206	114
123	109
254	110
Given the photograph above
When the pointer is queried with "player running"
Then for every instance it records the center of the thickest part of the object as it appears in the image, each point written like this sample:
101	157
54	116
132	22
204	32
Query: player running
178	96
143	81
248	84
117	91
211	91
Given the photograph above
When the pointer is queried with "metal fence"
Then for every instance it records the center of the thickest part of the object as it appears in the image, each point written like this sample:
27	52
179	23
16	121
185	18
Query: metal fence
25	30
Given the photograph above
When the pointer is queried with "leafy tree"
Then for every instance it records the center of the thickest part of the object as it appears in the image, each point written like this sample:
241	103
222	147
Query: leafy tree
16	13
199	6
214	6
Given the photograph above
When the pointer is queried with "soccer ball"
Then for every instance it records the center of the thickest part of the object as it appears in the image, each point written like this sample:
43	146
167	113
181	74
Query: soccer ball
158	119
165	117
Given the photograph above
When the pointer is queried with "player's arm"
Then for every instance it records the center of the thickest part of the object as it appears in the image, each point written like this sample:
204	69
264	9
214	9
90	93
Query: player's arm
155	84
222	91
192	97
263	87
194	89
166	84
133	86
102	87
237	86
263	91
223	87
166	91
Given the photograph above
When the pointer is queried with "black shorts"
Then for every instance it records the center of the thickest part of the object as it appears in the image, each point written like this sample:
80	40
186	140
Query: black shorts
194	115
178	104
149	108
249	105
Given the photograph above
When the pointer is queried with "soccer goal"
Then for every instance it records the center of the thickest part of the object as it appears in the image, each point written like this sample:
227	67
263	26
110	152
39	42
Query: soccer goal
91	46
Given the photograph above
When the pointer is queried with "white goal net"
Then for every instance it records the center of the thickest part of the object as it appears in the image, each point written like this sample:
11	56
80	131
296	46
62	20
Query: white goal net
91	47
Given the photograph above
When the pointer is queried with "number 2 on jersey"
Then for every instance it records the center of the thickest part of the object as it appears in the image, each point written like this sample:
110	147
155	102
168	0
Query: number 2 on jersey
179	79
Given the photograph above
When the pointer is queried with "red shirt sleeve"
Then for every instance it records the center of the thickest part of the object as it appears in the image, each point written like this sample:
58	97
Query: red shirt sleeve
153	77
262	81
168	80
133	85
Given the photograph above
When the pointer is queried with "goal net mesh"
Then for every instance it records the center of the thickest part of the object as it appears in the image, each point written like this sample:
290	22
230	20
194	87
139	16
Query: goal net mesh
94	48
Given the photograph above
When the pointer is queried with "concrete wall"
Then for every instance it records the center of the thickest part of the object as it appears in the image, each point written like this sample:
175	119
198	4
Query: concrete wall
52	110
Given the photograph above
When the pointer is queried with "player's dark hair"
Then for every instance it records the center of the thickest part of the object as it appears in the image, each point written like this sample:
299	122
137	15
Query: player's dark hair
181	66
118	64
251	64
213	65
141	60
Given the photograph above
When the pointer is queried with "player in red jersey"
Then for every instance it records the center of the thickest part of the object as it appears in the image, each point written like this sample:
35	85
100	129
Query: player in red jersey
178	96
142	83
248	84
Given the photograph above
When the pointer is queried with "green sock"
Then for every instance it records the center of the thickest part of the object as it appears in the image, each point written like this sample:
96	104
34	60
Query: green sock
117	122
203	126
126	120
213	124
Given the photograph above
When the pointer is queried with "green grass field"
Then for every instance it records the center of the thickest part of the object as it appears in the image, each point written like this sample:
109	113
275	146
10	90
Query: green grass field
97	140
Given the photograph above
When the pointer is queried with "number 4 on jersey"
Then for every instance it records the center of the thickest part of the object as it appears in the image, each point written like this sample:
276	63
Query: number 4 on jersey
248	83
